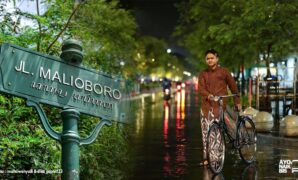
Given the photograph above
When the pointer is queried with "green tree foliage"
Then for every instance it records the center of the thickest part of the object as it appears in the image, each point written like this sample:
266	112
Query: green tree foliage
107	33
32	29
152	58
243	31
107	157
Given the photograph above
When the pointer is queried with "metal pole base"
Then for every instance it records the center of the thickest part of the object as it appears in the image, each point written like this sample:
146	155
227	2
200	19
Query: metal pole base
70	141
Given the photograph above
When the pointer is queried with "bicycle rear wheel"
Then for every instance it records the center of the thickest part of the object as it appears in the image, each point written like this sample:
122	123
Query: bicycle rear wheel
247	140
215	148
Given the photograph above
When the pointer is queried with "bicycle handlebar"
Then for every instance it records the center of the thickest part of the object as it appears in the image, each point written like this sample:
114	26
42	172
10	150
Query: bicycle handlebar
217	98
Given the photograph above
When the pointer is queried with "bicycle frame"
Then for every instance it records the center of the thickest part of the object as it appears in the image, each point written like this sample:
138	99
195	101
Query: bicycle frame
221	122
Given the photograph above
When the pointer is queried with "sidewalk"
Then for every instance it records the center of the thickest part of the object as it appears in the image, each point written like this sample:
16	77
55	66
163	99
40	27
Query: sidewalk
271	138
268	138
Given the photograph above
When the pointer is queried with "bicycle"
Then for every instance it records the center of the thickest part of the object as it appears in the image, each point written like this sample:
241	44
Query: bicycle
244	142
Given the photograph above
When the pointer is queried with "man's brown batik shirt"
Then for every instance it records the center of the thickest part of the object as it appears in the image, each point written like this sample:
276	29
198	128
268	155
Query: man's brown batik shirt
216	82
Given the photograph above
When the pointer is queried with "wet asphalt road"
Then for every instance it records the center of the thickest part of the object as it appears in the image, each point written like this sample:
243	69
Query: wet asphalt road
167	144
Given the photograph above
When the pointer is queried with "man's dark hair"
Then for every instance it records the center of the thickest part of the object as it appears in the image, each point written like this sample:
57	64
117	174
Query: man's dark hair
212	51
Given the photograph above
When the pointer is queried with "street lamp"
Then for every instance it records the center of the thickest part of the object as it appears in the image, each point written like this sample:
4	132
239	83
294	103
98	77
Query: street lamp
169	50
186	73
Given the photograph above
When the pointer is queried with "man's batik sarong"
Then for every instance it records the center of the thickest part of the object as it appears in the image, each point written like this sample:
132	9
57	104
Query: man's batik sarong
206	122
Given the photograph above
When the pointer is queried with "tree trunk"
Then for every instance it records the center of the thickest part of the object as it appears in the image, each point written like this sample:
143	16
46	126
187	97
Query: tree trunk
267	60
267	101
268	67
242	79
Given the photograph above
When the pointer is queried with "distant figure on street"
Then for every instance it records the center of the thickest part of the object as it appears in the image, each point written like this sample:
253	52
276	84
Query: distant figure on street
214	81
166	84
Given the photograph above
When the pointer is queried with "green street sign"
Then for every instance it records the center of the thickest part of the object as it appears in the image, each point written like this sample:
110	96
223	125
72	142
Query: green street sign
49	80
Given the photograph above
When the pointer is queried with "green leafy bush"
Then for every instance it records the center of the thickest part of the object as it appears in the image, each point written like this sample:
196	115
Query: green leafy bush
25	146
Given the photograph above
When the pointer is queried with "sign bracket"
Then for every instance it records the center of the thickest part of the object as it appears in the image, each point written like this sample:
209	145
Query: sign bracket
95	132
44	121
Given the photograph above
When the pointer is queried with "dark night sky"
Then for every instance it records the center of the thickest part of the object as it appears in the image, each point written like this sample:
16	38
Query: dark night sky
155	17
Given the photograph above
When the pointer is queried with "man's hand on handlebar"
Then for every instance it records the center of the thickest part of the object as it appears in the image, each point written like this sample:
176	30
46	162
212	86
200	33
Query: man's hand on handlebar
210	97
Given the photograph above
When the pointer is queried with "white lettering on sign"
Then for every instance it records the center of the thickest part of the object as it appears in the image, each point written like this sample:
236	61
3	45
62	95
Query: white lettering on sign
21	68
56	77
78	83
89	86
43	75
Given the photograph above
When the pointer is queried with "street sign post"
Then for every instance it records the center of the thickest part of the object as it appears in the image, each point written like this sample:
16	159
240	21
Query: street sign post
43	79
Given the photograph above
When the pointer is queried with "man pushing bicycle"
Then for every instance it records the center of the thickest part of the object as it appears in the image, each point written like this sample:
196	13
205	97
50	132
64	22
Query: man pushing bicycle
214	81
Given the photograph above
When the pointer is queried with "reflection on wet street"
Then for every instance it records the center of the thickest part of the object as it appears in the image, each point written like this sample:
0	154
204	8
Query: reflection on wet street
167	144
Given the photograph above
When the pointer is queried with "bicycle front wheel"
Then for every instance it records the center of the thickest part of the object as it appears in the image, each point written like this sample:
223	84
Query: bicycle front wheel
247	140
215	148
